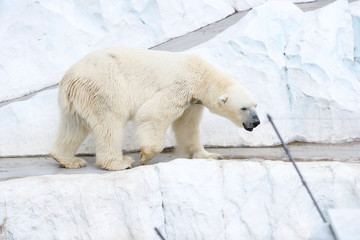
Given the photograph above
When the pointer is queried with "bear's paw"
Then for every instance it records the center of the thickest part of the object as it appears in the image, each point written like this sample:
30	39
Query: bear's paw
75	163
116	164
207	155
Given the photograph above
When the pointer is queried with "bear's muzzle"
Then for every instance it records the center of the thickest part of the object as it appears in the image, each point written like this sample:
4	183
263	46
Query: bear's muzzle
253	122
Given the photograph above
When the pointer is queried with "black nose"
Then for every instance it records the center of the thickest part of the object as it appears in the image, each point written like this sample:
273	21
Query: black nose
256	123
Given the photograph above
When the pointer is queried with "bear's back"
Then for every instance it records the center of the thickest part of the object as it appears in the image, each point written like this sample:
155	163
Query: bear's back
132	64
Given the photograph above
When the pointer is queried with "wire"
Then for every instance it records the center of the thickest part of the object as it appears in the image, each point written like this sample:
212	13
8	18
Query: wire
297	169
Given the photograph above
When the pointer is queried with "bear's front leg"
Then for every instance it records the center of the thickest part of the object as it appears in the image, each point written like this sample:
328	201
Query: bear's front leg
151	135
148	152
187	133
152	121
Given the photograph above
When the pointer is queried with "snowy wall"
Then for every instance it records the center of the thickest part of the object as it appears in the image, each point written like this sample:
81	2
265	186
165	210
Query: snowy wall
41	39
299	65
185	199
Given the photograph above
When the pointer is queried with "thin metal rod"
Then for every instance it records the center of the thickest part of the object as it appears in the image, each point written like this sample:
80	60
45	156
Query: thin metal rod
297	169
159	234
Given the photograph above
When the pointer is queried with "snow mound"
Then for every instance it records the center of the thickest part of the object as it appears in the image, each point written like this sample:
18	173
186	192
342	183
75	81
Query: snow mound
185	199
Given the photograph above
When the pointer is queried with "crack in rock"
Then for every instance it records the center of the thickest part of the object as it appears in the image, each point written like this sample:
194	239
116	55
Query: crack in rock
27	95
162	200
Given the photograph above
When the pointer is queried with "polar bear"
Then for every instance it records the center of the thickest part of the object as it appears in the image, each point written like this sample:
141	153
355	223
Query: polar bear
155	89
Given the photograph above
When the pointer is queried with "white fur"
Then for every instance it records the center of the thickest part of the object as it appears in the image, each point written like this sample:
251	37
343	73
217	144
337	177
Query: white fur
107	88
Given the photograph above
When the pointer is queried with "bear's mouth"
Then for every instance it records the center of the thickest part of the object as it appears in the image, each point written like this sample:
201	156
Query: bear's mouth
247	128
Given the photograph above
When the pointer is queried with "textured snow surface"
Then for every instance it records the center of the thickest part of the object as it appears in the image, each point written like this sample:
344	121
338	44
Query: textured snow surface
300	66
185	199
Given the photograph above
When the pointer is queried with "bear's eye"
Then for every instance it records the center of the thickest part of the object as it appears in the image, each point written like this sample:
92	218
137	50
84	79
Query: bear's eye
243	109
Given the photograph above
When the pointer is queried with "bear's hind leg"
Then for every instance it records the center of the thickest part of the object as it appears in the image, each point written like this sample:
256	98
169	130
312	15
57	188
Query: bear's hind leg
71	134
108	139
187	133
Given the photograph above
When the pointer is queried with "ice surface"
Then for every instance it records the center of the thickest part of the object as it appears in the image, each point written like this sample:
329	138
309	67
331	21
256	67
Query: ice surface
185	199
299	65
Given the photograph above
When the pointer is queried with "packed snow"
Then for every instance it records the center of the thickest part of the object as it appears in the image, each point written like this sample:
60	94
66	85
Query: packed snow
185	199
300	66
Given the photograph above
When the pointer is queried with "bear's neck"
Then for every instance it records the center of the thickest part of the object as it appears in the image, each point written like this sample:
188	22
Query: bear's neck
212	85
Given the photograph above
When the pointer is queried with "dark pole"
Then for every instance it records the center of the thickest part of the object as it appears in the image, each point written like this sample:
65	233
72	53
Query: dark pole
159	234
297	170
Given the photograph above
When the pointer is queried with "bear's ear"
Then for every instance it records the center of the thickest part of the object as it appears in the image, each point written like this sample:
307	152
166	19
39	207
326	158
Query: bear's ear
223	99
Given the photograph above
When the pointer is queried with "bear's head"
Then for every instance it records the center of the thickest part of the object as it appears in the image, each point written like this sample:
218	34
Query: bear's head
237	104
